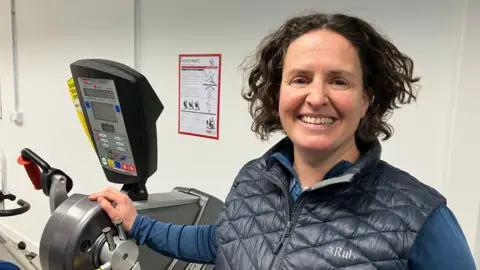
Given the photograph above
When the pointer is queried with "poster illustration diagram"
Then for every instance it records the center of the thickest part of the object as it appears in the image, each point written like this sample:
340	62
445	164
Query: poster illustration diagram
199	95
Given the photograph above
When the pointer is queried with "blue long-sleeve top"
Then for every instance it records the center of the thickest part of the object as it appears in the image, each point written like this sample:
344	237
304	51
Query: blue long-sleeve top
440	244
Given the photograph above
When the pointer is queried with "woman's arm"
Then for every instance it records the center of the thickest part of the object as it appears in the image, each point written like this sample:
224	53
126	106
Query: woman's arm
441	244
191	243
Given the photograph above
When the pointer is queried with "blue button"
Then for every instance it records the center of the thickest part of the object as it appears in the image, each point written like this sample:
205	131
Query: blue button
87	104
117	164
117	108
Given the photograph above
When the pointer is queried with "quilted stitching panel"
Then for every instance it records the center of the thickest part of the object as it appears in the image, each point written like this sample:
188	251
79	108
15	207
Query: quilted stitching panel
252	221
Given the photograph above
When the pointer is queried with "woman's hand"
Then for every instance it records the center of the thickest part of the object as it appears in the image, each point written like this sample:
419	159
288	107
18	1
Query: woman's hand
123	210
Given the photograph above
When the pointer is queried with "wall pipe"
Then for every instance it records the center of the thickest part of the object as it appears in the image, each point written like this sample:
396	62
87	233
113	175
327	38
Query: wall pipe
16	116
136	10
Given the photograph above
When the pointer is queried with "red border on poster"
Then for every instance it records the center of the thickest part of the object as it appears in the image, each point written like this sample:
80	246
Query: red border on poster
218	98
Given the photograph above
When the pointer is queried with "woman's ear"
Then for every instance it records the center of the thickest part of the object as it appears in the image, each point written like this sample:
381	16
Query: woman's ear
368	99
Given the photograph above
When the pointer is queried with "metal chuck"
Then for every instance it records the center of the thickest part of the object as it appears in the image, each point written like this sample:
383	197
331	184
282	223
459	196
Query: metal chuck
118	252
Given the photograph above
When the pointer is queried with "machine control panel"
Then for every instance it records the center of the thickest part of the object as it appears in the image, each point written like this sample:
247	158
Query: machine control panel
107	123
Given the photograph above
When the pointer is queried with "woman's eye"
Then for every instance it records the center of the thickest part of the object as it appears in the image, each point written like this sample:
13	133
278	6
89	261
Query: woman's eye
339	82
299	81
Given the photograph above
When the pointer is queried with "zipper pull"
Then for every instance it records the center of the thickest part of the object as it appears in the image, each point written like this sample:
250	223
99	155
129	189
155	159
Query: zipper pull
289	228
284	236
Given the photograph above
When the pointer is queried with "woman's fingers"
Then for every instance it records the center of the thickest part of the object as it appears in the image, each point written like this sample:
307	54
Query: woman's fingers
123	208
108	207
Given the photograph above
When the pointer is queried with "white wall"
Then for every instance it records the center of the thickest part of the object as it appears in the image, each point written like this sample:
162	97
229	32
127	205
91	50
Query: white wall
52	34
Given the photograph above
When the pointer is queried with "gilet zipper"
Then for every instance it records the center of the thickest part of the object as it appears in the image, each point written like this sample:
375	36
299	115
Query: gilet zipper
292	220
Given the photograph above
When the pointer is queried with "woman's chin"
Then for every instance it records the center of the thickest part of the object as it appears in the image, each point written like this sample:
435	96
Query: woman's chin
315	144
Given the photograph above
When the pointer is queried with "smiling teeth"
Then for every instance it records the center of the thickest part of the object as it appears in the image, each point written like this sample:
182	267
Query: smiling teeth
317	120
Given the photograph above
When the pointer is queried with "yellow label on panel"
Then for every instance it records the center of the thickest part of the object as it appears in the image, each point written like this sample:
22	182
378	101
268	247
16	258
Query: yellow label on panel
74	95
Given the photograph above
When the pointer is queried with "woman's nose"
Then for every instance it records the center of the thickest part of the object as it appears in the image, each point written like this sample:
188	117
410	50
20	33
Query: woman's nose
317	96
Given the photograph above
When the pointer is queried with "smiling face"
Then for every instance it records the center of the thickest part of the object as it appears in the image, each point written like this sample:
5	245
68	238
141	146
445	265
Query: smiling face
322	99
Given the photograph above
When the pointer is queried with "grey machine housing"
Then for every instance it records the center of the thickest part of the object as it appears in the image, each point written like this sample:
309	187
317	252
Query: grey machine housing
80	236
73	237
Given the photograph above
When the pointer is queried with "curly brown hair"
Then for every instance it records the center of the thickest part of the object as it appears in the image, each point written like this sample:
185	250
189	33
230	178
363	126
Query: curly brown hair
387	73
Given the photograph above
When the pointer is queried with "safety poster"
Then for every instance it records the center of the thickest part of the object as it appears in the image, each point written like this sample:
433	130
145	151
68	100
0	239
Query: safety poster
199	95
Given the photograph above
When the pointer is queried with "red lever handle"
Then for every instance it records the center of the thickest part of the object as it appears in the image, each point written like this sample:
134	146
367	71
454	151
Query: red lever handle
32	170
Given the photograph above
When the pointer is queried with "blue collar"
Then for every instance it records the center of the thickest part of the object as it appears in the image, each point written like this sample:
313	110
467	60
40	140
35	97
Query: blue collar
285	157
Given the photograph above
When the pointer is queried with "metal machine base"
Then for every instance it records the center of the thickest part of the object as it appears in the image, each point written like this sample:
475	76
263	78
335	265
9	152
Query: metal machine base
74	236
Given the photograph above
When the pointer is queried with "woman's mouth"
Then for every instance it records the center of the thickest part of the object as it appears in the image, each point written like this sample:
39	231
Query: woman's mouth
317	120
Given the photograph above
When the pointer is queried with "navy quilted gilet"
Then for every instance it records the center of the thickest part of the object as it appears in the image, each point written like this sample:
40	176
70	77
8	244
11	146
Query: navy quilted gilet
368	218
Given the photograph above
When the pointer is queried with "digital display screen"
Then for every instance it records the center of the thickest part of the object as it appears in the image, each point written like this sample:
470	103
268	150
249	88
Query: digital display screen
98	93
108	128
104	111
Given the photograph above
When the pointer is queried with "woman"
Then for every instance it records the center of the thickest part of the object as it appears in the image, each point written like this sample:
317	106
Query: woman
321	198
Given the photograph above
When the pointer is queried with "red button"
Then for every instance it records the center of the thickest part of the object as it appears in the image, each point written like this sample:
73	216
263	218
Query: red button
124	166
131	168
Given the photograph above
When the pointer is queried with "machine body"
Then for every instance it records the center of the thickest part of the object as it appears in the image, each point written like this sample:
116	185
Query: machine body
121	110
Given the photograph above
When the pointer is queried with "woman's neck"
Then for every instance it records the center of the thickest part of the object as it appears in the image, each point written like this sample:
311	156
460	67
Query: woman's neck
311	167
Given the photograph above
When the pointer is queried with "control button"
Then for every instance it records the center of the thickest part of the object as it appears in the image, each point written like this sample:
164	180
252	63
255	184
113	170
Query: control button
120	144
117	164
124	166
131	168
118	139
117	108
110	163
105	145
87	104
123	158
104	140
102	135
121	149
104	161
